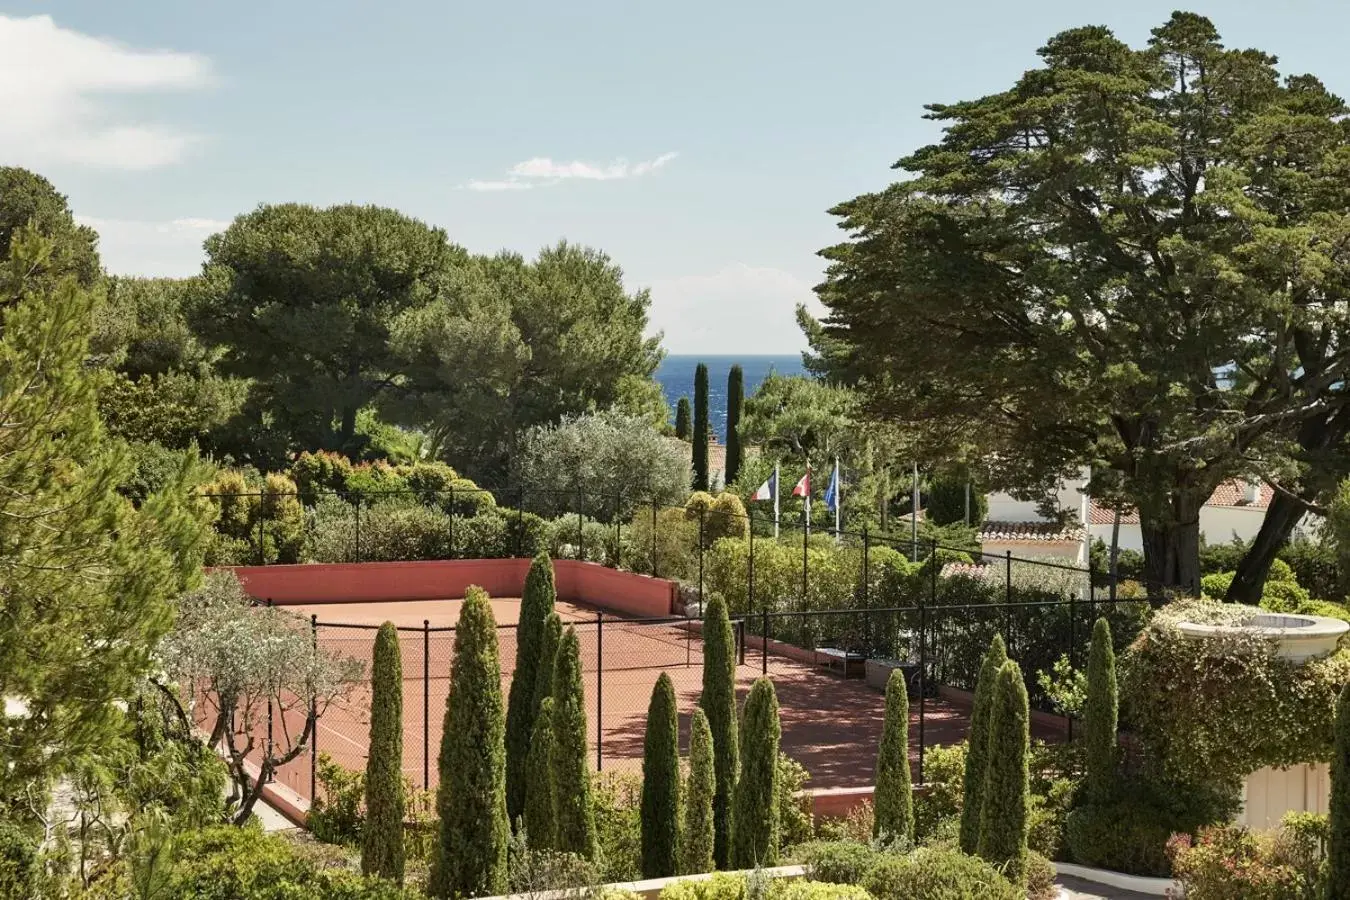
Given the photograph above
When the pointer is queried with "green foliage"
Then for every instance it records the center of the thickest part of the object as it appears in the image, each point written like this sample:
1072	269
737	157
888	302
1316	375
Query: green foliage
810	890
894	800
382	834
720	886
1125	836
540	816
683	430
82	567
725	518
1273	712
471	801
1315	567
1230	861
701	431
1006	802
536	605
20	867
314	473
755	832
601	464
1283	596
27	200
697	824
661	783
939	806
336	815
1100	712
549	642
796	813
1338	843
571	773
1216	584
617	801
947	501
718	701
735	400
934	874
1041	878
839	862
977	757
535	870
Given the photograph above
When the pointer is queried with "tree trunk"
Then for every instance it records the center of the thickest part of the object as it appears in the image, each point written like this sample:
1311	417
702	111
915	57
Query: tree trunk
1172	548
1284	513
348	426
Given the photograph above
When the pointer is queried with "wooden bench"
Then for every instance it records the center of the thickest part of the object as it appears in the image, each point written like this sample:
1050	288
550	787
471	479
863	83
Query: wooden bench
849	664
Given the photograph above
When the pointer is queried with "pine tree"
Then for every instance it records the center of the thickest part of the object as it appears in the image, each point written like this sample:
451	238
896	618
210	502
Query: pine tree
382	833
571	770
661	784
1003	812
701	428
548	661
535	605
1338	843
735	400
977	746
894	803
471	800
697	831
754	836
540	809
683	430
718	701
81	568
1099	715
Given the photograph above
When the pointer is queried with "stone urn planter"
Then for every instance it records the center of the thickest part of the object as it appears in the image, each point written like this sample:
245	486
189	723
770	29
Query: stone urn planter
1269	793
878	673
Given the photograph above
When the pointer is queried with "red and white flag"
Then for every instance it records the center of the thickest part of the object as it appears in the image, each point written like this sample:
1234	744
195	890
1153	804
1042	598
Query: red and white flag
803	488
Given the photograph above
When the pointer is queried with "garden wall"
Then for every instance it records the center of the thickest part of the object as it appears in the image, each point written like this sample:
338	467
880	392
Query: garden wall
577	582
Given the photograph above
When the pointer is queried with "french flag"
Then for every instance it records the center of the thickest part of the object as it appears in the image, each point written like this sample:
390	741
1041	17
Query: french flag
803	488
768	490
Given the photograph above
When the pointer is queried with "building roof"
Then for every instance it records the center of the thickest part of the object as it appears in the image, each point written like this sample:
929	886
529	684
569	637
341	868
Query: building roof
1029	532
1230	494
972	570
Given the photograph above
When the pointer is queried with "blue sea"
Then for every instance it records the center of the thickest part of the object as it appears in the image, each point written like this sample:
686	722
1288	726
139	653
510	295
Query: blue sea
676	376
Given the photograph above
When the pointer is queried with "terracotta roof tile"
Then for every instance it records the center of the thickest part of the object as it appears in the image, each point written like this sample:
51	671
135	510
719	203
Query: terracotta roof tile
1029	532
1231	494
972	570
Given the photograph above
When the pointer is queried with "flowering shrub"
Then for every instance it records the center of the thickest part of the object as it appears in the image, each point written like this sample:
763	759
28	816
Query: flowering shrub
1232	862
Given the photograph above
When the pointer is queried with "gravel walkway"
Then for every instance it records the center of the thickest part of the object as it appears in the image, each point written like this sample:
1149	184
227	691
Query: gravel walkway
1077	889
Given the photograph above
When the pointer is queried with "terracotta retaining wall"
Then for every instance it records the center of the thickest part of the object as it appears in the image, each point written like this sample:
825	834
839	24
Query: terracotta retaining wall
577	582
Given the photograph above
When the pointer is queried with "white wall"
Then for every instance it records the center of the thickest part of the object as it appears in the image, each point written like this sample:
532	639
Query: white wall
1130	537
1005	508
1217	526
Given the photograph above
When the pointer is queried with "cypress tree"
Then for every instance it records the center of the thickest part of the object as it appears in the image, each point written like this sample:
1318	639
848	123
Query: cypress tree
471	800
1099	715
575	818
683	431
382	834
540	811
755	835
1003	812
661	784
535	605
718	701
697	832
701	430
735	400
894	802
1338	843
977	745
548	661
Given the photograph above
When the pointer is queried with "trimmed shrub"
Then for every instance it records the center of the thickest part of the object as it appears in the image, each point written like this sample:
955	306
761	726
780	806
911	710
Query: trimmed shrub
1127	836
947	501
937	810
701	428
683	429
894	795
721	886
1280	572
1006	801
540	805
616	798
1100	712
661	783
536	603
697	848
754	835
571	773
932	874
548	660
718	701
1229	861
1338	843
977	753
839	862
382	833
1040	878
726	518
796	818
471	800
814	890
1215	585
735	401
1283	596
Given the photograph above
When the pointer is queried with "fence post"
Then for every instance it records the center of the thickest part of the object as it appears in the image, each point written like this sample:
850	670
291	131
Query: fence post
581	533
599	691
314	717
702	511
426	704
764	642
262	520
451	510
805	535
740	633
271	744
923	680
618	533
866	592
1073	641
357	551
750	572
1007	599
654	574
520	521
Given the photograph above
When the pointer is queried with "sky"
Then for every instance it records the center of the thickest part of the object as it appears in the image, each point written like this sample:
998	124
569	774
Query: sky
699	144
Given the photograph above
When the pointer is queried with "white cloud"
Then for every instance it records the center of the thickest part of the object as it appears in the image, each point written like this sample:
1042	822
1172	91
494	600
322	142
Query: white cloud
541	171
54	85
134	247
738	309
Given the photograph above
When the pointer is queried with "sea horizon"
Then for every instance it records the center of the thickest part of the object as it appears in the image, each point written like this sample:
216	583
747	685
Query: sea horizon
676	377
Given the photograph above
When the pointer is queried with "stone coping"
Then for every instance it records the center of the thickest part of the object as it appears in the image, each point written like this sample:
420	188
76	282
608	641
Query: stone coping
1140	884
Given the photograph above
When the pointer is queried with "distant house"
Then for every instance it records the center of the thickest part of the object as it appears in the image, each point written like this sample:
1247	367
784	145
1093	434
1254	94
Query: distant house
717	459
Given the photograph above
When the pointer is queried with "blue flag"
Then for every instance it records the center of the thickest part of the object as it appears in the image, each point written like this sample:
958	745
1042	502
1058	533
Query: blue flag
832	492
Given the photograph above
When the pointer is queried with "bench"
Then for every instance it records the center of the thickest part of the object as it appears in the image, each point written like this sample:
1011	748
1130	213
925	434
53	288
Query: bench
849	663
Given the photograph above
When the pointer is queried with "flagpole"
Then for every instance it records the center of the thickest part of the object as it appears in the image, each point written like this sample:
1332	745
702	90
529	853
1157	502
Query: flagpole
838	496
806	498
775	501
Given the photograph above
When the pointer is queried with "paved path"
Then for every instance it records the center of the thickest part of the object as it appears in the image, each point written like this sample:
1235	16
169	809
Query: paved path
1077	889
